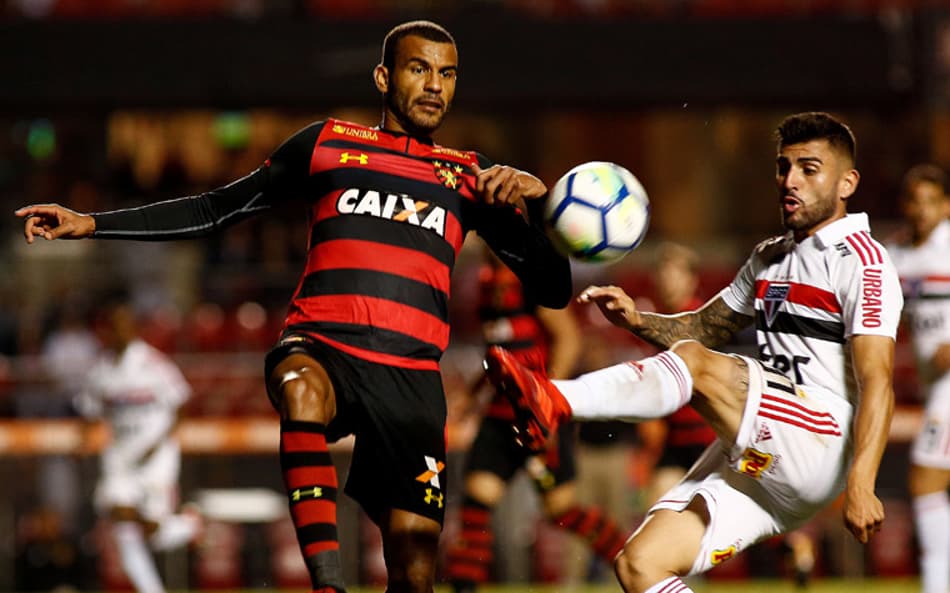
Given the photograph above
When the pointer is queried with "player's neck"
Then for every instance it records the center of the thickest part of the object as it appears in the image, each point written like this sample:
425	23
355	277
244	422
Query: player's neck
392	124
918	238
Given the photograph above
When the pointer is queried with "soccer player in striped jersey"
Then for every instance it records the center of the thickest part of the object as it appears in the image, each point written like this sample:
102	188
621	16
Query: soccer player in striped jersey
368	323
138	391
921	261
806	420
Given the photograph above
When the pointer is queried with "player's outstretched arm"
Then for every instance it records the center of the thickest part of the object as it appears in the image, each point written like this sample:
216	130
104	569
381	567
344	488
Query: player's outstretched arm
712	324
873	361
615	304
52	221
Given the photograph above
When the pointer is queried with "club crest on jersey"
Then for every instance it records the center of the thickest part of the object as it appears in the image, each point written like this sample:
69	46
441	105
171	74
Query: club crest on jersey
448	174
912	287
395	207
775	295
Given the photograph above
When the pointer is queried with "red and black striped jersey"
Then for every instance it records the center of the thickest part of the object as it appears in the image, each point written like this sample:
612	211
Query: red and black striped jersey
388	214
508	317
686	428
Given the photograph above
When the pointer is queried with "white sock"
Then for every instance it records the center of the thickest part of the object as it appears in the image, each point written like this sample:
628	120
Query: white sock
174	531
670	585
136	558
932	518
633	391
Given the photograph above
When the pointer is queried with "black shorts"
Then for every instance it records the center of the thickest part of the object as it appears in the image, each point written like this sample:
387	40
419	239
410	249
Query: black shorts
496	452
398	418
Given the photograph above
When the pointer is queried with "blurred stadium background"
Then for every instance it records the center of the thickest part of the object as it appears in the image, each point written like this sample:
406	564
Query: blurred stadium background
109	103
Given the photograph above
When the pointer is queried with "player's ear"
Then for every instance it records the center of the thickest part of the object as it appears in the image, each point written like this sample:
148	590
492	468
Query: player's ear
381	78
848	183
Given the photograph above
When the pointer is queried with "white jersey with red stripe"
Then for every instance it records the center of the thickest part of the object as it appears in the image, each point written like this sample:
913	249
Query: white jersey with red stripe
925	279
809	298
793	447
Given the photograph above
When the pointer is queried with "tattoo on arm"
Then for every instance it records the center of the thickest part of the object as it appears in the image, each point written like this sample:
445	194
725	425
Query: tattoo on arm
712	324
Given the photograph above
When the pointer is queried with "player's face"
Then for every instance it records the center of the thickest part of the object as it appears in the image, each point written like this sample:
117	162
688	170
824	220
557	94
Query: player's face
924	206
814	181
115	328
420	88
675	284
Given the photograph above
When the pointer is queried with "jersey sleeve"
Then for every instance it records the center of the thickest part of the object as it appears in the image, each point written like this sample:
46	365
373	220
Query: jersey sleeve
870	294
88	401
740	294
173	389
483	161
280	179
525	248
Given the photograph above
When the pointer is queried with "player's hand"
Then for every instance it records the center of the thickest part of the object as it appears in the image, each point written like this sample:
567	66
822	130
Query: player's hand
616	305
863	513
52	221
501	184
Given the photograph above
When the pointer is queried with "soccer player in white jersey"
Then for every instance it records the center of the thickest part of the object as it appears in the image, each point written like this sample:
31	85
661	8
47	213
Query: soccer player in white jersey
924	268
805	421
137	390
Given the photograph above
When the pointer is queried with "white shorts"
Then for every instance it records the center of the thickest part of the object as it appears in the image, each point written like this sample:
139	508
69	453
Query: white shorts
151	487
789	461
931	448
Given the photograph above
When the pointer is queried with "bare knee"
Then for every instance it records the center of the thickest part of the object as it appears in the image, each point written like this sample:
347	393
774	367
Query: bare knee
693	353
303	389
638	568
410	546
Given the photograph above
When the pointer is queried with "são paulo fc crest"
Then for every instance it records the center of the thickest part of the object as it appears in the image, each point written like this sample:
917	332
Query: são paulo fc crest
775	295
448	174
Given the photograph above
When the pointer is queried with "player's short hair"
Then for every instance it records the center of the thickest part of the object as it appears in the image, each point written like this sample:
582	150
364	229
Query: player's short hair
817	125
926	173
112	298
425	29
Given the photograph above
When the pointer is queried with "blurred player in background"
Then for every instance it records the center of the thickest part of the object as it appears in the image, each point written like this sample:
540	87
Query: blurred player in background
922	259
368	322
541	338
137	391
683	435
826	301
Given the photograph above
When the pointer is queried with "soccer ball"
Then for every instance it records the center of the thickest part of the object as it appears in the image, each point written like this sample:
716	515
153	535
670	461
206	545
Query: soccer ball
597	212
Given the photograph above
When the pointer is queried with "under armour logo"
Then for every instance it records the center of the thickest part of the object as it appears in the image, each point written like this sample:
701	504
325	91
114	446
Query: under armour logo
347	157
430	497
432	474
300	493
